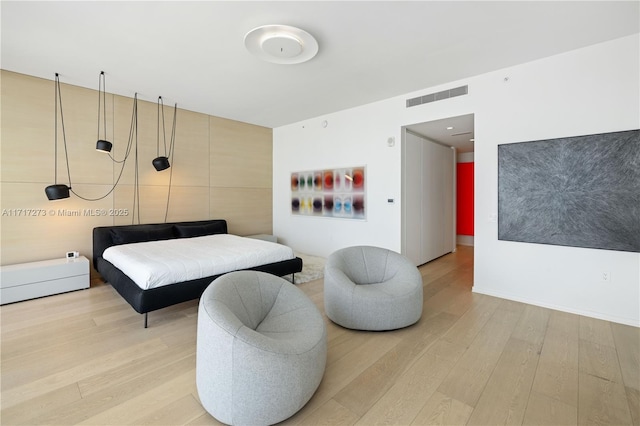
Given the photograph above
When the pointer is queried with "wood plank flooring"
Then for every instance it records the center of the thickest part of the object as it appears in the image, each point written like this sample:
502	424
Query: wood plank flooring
85	358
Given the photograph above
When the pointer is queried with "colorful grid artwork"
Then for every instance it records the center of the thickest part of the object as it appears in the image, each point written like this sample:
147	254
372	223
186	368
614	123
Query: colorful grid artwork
329	193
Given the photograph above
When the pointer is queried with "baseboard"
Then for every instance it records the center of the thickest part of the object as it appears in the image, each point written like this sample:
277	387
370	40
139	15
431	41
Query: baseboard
464	240
586	313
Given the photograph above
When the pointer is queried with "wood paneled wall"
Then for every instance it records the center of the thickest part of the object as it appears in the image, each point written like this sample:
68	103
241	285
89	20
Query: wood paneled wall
221	169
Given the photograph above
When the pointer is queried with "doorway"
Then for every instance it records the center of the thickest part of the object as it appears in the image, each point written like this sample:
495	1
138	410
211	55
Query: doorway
432	188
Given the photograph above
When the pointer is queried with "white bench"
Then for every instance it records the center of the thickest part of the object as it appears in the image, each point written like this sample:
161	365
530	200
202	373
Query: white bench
37	279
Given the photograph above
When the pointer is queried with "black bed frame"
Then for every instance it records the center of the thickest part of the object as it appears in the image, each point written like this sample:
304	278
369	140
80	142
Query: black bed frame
145	301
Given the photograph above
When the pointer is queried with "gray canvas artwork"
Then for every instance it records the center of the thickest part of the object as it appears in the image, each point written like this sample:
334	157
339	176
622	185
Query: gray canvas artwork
581	191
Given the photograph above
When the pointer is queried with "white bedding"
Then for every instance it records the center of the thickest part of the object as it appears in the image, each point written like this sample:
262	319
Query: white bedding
157	263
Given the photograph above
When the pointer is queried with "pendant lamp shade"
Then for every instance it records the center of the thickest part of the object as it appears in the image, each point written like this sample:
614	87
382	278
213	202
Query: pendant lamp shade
161	163
57	192
103	146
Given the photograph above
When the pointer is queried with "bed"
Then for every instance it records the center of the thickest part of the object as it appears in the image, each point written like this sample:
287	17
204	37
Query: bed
145	300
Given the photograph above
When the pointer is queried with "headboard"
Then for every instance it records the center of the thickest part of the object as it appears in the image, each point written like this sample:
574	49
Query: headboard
107	236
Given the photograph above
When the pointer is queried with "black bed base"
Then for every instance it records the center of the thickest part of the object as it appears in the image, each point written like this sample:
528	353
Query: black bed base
145	301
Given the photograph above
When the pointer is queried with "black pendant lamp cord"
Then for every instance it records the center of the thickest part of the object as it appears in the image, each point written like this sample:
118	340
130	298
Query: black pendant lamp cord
102	90
55	127
133	136
102	94
136	185
64	135
158	126
171	151
173	132
164	132
133	139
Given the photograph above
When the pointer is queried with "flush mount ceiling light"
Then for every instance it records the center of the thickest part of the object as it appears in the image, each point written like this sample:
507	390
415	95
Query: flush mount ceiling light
281	44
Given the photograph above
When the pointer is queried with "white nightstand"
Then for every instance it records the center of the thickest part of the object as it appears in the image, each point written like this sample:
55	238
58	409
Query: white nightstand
36	279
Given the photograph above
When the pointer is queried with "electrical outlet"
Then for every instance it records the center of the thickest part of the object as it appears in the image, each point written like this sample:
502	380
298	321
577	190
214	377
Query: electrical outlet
605	277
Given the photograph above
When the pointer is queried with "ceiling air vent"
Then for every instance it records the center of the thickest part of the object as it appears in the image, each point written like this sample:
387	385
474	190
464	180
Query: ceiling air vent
432	97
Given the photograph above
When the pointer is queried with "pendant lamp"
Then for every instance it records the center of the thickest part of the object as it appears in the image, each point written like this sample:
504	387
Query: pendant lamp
162	162
103	145
58	191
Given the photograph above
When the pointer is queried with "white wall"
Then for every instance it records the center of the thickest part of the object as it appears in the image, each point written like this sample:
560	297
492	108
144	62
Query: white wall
351	138
465	157
591	90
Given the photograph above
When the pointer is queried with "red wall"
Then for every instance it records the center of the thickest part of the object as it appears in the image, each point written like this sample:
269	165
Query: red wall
464	201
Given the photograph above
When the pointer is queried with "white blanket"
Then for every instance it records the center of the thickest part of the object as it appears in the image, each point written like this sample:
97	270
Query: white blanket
157	263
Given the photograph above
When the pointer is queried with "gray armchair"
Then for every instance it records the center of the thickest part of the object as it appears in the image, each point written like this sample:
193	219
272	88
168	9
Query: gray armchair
372	288
261	348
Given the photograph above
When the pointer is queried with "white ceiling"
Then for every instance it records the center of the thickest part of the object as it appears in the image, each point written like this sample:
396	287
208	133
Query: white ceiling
458	132
192	53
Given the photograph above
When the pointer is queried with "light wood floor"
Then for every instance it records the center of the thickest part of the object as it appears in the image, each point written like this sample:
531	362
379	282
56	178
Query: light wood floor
84	358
